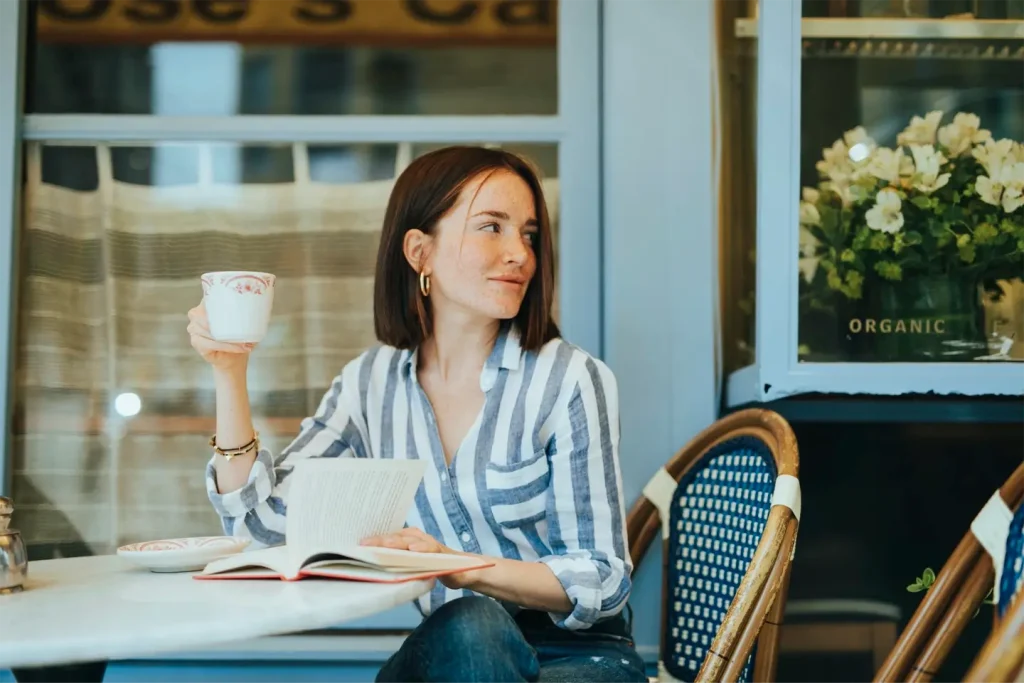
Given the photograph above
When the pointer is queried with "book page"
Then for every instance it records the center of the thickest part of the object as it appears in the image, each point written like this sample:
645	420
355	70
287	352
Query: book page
334	503
277	559
393	559
357	573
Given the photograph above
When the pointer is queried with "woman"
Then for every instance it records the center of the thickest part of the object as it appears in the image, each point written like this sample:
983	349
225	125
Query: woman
521	430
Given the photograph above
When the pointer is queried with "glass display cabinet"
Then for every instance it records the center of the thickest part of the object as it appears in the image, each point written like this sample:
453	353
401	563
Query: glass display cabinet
889	198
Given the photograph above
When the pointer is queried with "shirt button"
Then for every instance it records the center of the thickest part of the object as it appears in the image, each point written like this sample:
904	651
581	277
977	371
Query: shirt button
444	476
466	537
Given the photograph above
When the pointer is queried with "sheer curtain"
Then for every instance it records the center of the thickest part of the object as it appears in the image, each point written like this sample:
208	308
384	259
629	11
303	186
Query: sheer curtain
107	277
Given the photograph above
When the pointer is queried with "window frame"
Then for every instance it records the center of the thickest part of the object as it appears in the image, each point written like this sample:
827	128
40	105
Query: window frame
575	129
12	54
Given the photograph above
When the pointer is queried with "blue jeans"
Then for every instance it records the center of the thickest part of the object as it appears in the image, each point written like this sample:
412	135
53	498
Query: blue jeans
475	639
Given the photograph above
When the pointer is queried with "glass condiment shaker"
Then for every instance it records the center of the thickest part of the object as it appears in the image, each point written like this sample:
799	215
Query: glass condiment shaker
13	557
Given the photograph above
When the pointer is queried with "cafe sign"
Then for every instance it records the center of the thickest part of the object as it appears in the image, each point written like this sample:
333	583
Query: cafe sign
325	22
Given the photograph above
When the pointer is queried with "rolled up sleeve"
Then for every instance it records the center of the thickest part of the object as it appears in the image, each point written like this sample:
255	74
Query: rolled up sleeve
258	509
585	509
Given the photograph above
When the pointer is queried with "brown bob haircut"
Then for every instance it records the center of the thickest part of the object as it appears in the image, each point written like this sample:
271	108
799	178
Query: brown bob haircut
425	192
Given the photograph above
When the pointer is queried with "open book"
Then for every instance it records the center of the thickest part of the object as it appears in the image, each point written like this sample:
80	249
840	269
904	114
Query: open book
352	563
333	504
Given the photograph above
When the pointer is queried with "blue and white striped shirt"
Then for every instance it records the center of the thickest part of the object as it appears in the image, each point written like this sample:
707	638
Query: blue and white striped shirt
537	477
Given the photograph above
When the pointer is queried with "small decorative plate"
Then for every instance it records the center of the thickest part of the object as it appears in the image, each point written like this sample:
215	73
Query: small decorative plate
181	554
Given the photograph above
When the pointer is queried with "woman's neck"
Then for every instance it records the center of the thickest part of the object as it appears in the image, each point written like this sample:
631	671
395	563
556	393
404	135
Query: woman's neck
458	347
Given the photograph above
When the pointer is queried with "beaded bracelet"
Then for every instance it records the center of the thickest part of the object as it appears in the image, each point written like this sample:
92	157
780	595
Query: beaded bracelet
230	453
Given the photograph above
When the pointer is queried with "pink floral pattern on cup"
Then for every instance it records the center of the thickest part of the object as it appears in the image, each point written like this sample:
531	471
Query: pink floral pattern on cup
242	283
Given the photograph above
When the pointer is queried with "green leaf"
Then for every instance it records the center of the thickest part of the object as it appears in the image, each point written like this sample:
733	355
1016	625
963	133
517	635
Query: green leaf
985	233
928	578
923	582
860	193
912	237
829	220
937	228
861	239
922	202
889	270
967	252
854	284
879	241
911	261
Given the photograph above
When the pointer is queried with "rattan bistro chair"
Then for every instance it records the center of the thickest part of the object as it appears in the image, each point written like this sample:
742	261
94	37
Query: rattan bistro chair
727	508
1001	658
958	591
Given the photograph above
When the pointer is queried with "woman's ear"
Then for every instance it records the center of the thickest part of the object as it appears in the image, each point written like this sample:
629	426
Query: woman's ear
416	247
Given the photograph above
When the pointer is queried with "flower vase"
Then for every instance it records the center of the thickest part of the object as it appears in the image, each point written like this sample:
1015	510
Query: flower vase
922	319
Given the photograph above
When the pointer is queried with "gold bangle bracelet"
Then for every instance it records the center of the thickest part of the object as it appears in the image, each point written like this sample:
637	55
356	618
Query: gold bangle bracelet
230	453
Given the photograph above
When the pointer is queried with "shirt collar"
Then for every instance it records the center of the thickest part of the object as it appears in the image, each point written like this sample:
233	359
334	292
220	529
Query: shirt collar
506	354
507	349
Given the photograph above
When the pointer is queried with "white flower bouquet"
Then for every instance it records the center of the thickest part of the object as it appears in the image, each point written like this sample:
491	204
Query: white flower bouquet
946	202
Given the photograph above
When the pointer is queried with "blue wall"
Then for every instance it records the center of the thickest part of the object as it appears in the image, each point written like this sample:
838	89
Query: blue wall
660	285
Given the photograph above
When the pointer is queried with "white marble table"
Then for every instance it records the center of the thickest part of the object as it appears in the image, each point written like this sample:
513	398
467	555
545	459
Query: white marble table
105	608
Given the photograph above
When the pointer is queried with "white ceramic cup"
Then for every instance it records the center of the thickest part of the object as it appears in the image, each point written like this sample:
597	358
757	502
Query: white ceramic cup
238	304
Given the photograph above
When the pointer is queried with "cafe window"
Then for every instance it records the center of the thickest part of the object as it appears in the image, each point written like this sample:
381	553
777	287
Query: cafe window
887	141
124	206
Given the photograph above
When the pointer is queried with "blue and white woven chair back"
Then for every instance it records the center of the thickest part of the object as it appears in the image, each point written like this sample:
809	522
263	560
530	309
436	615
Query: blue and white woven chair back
1012	579
999	531
718	514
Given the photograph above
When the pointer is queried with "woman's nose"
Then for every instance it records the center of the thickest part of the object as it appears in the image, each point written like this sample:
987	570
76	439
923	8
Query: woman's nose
516	250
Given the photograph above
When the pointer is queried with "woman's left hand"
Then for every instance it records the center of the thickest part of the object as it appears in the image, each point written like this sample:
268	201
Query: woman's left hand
411	538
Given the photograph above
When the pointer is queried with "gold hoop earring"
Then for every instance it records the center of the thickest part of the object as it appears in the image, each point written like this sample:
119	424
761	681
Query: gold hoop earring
424	284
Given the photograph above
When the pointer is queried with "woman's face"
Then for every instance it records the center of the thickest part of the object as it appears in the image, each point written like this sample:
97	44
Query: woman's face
481	257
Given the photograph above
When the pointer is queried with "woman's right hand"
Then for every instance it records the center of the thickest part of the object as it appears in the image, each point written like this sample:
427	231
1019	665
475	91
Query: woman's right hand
221	355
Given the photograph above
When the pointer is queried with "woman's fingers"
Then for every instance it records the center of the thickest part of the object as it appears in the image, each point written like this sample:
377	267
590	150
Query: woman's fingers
409	538
390	541
205	344
423	547
396	540
413	532
198	318
198	313
201	340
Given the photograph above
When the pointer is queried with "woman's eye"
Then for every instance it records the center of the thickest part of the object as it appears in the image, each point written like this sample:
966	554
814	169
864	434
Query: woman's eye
491	227
531	238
